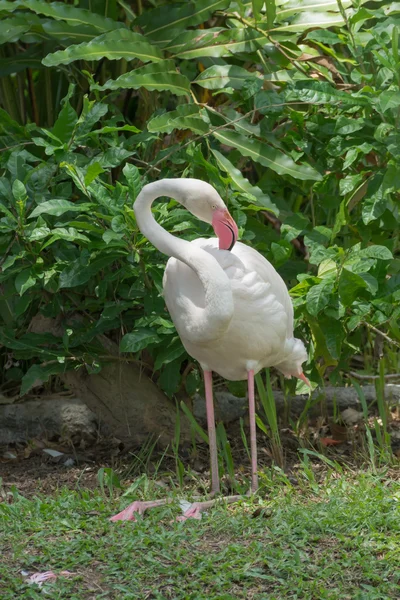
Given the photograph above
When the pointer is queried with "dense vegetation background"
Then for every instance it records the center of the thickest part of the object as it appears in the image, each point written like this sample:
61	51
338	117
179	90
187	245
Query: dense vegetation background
289	108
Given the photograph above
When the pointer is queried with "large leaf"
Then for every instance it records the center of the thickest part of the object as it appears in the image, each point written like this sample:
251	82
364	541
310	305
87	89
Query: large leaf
58	207
319	92
39	374
72	15
158	23
220	76
267	156
161	76
215	43
318	296
304	21
112	45
350	285
374	204
186	116
138	340
294	7
242	184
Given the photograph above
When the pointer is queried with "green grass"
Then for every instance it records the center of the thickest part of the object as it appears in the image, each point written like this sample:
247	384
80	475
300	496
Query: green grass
337	539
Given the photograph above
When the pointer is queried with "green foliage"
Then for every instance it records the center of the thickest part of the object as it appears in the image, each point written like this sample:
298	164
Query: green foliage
291	113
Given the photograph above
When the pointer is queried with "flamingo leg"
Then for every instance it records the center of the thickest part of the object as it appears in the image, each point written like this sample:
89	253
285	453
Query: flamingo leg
212	438
253	437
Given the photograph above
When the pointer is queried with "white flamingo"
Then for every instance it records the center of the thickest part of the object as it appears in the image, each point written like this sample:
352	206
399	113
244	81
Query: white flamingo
230	307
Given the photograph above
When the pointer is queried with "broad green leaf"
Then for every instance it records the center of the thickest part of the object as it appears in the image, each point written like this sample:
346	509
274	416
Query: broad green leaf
350	285
294	7
58	207
318	296
69	234
30	344
309	20
220	76
66	120
215	43
133	179
242	184
138	340
374	203
92	172
186	116
270	6
24	280
267	156
12	28
171	352
158	22
73	34
72	15
39	374
161	76
78	273
388	100
170	377
380	252
319	92
257	7
113	45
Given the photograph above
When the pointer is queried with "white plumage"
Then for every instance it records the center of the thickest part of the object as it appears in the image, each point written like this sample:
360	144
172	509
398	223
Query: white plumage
260	332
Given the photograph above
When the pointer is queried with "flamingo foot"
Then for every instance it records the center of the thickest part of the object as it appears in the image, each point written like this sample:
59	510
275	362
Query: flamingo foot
137	508
193	512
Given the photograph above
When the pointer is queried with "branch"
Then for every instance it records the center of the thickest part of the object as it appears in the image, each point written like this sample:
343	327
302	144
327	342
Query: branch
379	332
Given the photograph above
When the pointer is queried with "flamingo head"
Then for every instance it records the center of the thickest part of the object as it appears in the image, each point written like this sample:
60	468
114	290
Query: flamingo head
291	366
204	202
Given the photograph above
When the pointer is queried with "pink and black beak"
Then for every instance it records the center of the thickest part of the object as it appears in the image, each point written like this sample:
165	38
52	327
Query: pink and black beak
225	228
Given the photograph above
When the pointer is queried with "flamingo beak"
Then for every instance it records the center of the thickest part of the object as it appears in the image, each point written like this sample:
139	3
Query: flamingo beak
225	229
304	378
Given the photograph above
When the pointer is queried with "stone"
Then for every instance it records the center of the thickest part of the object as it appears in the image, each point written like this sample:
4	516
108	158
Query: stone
48	417
227	407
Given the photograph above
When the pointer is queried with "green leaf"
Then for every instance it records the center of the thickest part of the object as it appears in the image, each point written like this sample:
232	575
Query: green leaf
350	284
166	355
78	273
374	204
267	156
318	92
318	296
39	374
220	76
271	12
214	42
72	15
242	184
92	172
66	121
388	100
58	207
161	76
24	280
380	252
170	377
158	23
113	45
132	176
69	234
138	340
186	116
309	20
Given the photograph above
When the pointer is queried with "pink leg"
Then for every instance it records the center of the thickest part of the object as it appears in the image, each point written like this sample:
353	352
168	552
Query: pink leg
253	438
137	508
212	438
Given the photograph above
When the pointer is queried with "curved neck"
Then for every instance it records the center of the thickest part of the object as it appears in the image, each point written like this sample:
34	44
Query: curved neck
204	324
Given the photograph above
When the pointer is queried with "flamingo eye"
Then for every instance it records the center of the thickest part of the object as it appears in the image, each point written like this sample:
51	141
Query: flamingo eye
213	207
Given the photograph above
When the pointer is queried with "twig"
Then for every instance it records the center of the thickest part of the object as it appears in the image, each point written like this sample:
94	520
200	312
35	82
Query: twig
379	332
16	146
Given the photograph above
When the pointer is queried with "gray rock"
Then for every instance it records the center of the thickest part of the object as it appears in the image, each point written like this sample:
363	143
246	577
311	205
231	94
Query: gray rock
230	408
227	407
48	417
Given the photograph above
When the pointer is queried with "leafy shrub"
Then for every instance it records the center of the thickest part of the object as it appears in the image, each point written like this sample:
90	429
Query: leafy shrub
291	114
